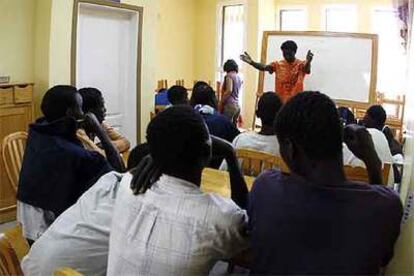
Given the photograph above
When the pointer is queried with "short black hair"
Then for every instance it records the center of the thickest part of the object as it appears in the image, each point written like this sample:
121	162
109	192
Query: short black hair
176	138
92	98
289	44
310	119
203	94
268	107
57	100
137	154
230	65
177	95
378	114
346	115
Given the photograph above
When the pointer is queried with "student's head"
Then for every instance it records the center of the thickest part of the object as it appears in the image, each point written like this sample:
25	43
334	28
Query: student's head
137	154
61	101
93	102
179	141
268	107
177	95
230	66
309	131
346	115
375	117
203	94
289	49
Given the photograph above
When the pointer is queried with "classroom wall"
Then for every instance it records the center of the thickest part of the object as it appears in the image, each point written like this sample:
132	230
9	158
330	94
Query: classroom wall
315	8
42	20
175	35
16	32
167	50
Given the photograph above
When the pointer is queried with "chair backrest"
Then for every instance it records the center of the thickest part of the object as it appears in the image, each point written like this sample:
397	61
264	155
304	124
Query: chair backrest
9	262
161	84
361	174
179	82
13	147
254	162
66	271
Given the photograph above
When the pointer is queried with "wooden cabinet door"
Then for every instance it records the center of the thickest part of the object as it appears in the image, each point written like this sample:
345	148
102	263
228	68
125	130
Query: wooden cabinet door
12	119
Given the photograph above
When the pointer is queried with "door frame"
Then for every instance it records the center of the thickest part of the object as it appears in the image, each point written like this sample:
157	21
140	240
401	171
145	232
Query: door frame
108	3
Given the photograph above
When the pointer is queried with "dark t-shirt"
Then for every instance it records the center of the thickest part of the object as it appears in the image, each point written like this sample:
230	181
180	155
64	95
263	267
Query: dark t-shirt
302	228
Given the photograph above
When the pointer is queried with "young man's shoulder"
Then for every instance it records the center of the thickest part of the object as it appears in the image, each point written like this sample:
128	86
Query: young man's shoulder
226	212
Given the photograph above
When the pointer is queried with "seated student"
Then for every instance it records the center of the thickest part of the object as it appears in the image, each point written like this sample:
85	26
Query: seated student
203	99
79	237
177	95
314	221
346	116
171	227
265	140
94	102
56	169
380	144
376	118
161	98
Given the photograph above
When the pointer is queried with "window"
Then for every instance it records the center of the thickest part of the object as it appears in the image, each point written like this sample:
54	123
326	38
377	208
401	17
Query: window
293	19
391	53
340	18
231	37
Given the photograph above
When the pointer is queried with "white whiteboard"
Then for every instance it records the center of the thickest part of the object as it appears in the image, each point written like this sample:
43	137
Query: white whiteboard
344	65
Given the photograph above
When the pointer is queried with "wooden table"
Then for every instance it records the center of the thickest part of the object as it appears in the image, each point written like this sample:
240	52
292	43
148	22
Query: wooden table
216	181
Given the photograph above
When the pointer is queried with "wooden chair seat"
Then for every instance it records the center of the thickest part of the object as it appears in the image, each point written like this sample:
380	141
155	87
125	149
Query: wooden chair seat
66	271
13	247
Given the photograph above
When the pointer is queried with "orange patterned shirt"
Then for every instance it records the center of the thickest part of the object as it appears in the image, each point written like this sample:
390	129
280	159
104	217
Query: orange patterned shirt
289	78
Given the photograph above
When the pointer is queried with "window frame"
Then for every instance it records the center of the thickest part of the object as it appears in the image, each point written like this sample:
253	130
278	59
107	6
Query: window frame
280	9
324	17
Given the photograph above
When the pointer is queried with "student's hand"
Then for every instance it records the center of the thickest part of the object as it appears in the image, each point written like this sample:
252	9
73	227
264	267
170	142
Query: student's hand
246	58
359	141
91	123
144	175
309	56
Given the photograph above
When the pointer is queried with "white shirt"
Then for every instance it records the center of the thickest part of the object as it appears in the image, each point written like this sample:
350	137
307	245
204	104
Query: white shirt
34	220
255	141
172	229
381	147
79	237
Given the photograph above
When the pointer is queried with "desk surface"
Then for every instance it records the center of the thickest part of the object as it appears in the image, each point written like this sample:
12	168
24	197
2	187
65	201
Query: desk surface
216	181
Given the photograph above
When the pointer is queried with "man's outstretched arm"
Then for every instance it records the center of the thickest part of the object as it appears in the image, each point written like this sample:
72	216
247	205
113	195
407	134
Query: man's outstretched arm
259	66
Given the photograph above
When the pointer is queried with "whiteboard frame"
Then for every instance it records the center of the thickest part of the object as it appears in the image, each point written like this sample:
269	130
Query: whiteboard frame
374	61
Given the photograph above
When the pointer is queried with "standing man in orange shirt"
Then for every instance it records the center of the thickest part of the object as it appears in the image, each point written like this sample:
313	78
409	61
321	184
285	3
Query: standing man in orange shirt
290	72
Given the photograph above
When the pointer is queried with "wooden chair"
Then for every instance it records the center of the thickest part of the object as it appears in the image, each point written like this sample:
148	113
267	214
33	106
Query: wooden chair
254	162
161	84
361	174
66	271
13	247
179	82
13	147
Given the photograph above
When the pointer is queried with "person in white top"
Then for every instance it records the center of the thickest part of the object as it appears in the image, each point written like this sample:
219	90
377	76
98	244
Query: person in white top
79	237
168	226
380	144
265	140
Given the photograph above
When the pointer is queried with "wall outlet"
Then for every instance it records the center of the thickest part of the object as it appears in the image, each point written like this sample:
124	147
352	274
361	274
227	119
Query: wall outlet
4	79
